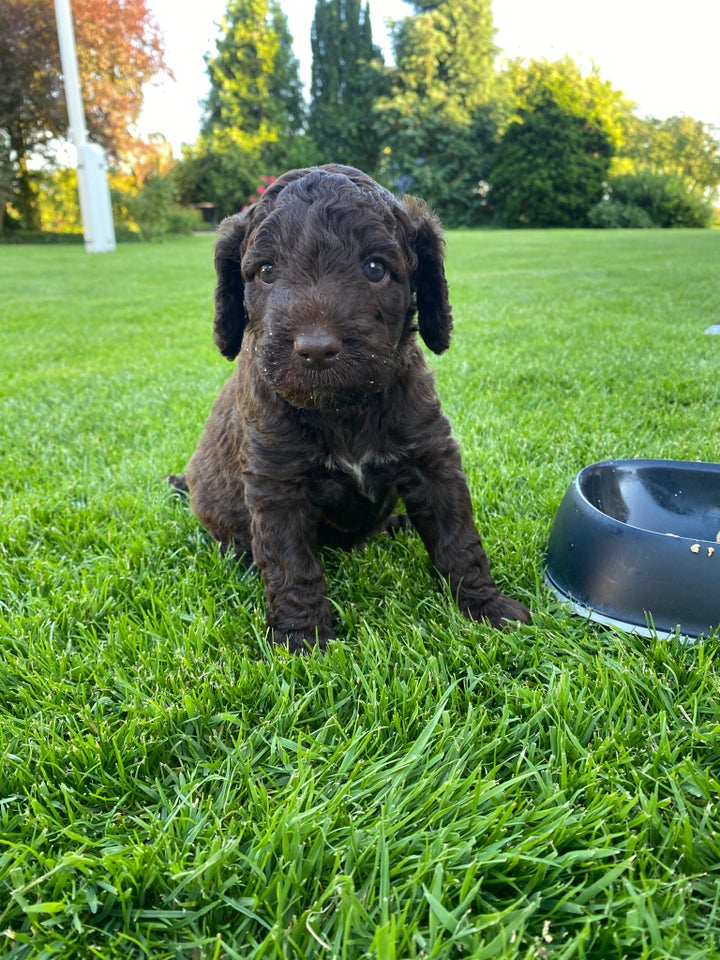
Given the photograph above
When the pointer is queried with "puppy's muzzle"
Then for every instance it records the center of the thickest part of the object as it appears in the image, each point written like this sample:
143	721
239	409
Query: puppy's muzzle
318	349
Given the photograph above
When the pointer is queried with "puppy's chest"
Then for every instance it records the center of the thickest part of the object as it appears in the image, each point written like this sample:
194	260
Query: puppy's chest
370	473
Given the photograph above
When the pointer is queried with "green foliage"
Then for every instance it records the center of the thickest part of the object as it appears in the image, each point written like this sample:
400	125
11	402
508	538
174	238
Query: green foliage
450	164
665	200
549	167
216	170
155	213
347	79
445	57
554	155
6	175
581	93
151	212
172	787
253	113
32	108
611	214
58	202
679	146
255	93
119	49
443	110
286	88
445	123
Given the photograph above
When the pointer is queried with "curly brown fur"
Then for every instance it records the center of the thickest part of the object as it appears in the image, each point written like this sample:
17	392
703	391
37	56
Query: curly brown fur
331	413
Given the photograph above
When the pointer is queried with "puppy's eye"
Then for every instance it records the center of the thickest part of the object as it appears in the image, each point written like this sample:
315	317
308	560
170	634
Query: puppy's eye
267	273
374	270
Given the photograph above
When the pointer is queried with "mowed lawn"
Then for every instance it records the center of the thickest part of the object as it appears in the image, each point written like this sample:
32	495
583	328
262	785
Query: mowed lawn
173	787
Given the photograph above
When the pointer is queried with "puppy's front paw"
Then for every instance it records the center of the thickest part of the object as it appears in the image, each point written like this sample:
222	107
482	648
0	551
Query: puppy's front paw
299	641
395	523
500	611
179	485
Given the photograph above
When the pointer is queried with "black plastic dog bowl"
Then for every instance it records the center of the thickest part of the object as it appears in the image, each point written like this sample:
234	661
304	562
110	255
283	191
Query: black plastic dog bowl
636	544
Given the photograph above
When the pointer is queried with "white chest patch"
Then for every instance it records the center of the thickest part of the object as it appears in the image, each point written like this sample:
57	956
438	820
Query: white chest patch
359	470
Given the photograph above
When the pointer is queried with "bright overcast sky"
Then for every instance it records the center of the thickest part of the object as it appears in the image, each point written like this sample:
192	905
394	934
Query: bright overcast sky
662	55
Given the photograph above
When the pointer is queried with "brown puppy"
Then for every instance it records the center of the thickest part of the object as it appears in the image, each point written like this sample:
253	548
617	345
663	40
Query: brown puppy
331	413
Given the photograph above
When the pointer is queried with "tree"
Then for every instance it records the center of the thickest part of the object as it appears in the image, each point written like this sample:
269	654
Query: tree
445	60
584	94
6	176
254	111
119	49
550	167
216	170
679	146
447	163
346	82
443	109
31	107
255	91
553	158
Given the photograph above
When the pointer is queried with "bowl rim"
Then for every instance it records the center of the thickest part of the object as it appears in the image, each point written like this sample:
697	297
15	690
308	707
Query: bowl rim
627	626
692	466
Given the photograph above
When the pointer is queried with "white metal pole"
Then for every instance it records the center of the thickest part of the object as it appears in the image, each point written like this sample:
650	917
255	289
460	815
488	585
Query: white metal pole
95	205
71	75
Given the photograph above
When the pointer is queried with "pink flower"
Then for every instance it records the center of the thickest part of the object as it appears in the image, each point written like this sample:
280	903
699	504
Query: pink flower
260	190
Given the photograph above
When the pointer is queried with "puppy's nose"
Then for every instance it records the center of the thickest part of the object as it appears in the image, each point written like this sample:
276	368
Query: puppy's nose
318	348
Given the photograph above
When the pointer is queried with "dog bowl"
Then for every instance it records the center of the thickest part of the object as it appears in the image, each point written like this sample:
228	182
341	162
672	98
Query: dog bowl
636	544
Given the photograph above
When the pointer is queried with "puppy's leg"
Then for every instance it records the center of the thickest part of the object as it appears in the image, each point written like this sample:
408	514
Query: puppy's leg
284	545
395	523
179	485
217	493
438	504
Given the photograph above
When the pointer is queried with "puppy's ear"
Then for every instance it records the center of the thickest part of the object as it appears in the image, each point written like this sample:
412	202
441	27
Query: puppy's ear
434	314
230	315
229	288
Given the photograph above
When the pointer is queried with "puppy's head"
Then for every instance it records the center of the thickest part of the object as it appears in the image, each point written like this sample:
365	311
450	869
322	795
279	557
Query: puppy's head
326	273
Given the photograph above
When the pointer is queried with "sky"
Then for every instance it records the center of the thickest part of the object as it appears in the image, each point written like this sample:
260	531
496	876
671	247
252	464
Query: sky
663	56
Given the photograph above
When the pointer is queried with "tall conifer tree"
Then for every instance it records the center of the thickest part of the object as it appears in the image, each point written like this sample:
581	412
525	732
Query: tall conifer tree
347	79
441	115
445	56
255	92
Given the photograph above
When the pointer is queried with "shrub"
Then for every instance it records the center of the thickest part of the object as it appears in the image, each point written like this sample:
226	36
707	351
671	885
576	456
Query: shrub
152	212
611	214
549	167
58	202
184	220
149	213
219	173
665	198
446	164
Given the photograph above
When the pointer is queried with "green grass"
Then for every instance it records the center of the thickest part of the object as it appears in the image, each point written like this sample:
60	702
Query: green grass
171	787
